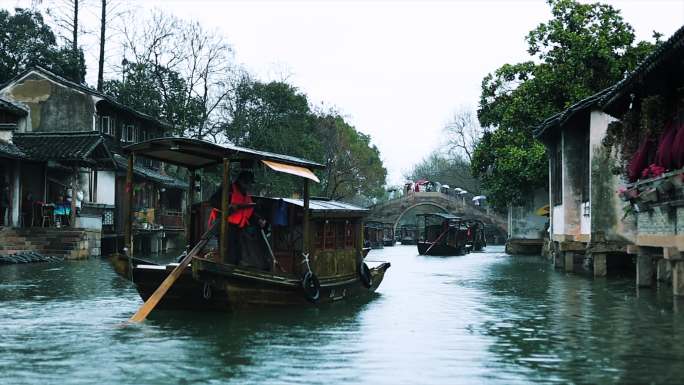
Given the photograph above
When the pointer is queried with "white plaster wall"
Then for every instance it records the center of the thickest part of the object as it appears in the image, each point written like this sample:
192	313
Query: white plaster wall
89	222
524	222
106	187
16	193
625	228
558	225
585	218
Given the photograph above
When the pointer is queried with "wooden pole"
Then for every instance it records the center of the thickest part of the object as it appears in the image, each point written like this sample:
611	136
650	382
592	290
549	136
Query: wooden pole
188	209
74	186
128	207
305	224
223	240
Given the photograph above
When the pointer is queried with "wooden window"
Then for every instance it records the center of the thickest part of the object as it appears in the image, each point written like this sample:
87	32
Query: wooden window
348	234
329	235
318	240
107	125
557	174
339	235
127	133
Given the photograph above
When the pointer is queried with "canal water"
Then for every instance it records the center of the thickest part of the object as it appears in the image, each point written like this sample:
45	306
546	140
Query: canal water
480	318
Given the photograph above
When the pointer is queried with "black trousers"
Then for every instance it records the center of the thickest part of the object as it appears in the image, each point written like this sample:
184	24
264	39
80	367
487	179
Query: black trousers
234	247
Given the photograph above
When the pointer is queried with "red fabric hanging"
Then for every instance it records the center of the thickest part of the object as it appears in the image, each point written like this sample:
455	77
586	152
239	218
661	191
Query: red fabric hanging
639	161
678	148
664	152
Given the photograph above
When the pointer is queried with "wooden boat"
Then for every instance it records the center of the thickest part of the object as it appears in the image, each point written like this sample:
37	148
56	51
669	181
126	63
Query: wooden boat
476	240
443	234
388	234
408	234
373	234
313	254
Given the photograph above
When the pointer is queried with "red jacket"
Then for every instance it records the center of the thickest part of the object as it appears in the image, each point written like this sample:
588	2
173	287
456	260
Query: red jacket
240	217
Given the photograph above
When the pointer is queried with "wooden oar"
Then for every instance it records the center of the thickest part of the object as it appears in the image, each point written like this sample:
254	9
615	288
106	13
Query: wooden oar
158	294
270	251
436	240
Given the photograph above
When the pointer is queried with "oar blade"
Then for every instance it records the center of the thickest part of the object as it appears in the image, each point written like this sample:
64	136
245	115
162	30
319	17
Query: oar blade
158	294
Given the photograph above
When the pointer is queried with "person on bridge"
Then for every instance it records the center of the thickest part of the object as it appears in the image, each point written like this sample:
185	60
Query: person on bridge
241	213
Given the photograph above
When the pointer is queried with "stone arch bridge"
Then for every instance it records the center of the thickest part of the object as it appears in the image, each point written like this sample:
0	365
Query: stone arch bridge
403	210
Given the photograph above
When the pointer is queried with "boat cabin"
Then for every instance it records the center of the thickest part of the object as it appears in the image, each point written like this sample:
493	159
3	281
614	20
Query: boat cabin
476	240
388	234
408	234
373	234
442	234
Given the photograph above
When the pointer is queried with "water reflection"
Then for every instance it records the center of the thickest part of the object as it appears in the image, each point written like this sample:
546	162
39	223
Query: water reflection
479	318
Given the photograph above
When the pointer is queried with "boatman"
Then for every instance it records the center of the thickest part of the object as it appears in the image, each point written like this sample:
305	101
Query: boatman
240	213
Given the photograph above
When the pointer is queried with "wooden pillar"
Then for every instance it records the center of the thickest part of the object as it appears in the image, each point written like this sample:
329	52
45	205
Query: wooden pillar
600	265
74	187
678	278
128	207
93	197
569	261
663	270
188	209
644	274
223	240
305	221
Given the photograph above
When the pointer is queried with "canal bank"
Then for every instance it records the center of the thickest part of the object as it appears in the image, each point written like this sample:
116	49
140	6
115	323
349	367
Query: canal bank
479	318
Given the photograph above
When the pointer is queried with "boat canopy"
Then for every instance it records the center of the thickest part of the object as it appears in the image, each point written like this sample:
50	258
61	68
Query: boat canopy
321	207
196	154
441	215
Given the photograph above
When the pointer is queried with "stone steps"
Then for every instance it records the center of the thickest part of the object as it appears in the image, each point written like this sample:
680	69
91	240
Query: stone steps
66	243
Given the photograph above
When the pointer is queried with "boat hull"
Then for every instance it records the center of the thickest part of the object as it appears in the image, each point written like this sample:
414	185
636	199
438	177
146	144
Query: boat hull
220	287
439	249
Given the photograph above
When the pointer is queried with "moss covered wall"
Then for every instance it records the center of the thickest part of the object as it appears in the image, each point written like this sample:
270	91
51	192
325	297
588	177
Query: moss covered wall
607	210
573	140
53	107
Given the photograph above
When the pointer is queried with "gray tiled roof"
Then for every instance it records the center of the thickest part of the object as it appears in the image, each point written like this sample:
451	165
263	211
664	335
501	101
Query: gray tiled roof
12	107
663	52
9	150
59	146
153	175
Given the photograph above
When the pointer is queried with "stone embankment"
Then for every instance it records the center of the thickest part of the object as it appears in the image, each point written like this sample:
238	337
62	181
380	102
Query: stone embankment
64	243
28	257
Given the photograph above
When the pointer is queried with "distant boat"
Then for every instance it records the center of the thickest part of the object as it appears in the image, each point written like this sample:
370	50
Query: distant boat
443	234
476	240
408	234
388	234
373	235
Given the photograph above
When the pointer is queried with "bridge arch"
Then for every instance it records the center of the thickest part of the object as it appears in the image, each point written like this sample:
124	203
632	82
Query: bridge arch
410	208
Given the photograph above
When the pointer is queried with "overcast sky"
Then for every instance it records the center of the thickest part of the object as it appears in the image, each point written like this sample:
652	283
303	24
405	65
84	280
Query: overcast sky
396	69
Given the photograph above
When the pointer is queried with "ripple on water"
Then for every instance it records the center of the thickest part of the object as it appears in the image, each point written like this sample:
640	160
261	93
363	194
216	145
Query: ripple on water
478	318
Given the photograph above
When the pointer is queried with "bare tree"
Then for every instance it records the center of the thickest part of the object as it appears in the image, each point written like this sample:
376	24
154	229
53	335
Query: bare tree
203	58
111	11
66	16
463	133
103	29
